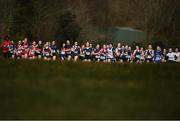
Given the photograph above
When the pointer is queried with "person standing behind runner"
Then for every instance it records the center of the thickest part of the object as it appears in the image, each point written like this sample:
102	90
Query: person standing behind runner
68	51
5	47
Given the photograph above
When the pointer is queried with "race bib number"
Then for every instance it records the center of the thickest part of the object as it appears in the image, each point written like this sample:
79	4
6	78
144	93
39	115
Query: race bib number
88	53
53	51
138	56
158	58
97	56
62	52
149	57
102	57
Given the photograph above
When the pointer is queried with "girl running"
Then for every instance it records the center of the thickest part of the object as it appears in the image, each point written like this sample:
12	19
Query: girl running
118	52
171	56
76	51
53	50
39	50
158	55
68	50
149	54
96	55
47	51
19	50
62	52
103	54
137	55
32	51
110	53
12	50
25	49
87	52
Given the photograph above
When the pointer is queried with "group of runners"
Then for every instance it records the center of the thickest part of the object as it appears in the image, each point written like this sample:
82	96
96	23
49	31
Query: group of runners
87	52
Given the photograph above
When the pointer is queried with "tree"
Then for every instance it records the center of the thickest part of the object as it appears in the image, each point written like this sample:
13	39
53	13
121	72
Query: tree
67	29
7	10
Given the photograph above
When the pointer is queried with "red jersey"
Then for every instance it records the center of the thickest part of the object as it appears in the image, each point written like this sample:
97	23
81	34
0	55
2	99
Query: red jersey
103	51
5	46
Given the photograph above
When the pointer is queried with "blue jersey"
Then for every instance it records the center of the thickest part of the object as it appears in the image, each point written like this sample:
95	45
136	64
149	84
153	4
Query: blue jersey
88	51
53	48
158	55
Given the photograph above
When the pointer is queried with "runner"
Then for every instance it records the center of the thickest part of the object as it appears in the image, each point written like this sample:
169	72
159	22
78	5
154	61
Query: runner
87	52
110	54
137	55
68	50
25	49
171	56
47	52
6	47
158	55
12	50
19	50
96	54
76	51
32	51
62	52
149	54
103	54
53	50
164	56
39	50
118	52
177	55
129	55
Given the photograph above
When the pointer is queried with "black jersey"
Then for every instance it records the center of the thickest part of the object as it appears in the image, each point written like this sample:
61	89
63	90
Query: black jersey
76	50
88	51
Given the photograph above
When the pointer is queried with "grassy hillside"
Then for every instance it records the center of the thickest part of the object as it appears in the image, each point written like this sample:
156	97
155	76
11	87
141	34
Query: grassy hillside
55	90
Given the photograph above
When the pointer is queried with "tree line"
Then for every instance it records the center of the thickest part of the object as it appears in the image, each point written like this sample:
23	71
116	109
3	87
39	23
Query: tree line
86	19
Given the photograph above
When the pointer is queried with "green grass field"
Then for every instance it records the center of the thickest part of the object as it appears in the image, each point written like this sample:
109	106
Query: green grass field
55	90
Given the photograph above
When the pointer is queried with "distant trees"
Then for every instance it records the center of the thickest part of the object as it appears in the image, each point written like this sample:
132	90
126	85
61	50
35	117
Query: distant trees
52	19
7	11
67	28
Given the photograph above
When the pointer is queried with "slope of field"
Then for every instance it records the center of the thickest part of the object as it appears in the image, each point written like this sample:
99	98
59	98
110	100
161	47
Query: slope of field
55	90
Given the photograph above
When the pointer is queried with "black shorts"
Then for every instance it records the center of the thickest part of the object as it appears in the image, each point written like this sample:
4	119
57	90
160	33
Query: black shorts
88	57
38	54
75	54
149	59
136	59
67	55
53	54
